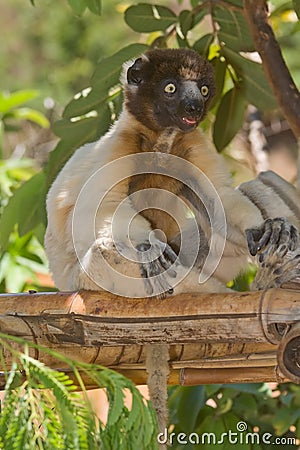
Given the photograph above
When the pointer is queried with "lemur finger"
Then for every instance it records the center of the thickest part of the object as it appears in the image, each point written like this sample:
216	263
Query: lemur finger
154	264
154	279
169	254
278	227
294	242
289	265
166	264
253	235
267	254
267	233
286	277
282	250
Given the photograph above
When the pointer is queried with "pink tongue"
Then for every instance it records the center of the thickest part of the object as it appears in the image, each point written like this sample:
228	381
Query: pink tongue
189	121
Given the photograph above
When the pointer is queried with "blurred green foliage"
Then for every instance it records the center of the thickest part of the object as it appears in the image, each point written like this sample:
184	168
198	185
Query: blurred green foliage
54	49
21	258
218	409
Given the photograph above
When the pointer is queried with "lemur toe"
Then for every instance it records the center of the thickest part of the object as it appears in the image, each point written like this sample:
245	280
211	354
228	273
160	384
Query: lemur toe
157	266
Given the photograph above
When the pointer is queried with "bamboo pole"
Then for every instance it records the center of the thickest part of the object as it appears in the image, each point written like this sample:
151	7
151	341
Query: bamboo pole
232	336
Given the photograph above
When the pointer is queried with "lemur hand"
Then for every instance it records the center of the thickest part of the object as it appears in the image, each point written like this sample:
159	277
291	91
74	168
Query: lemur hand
275	243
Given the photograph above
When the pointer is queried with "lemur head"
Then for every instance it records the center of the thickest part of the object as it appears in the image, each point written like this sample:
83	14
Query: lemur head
169	88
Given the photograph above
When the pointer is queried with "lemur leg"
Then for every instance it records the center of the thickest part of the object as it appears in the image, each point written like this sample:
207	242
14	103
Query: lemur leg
275	243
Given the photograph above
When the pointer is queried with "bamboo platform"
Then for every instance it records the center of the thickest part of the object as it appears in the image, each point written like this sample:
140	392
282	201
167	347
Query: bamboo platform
236	337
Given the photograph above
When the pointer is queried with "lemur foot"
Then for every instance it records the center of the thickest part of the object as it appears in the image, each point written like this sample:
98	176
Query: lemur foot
275	243
156	261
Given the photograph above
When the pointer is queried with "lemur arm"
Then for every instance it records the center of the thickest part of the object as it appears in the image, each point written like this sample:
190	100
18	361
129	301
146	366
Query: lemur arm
275	242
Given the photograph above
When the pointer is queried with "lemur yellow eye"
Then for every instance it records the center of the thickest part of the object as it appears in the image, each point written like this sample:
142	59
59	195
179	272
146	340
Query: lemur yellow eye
204	90
170	88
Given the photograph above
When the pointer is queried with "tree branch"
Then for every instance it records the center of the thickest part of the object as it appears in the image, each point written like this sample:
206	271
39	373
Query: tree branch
279	77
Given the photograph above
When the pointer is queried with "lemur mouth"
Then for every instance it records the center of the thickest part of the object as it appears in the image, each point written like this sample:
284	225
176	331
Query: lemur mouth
189	121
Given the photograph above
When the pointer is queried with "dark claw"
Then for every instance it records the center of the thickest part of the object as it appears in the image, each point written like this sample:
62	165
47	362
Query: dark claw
282	250
266	234
294	238
276	233
154	264
252	245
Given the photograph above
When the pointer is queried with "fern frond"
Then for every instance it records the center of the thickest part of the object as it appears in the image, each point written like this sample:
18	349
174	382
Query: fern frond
43	410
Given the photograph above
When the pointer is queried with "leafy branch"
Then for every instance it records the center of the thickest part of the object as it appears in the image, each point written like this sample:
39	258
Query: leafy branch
277	72
43	409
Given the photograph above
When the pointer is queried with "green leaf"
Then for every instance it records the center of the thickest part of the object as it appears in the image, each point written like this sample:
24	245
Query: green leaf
186	21
32	115
145	18
108	70
16	277
181	41
82	130
78	6
74	135
116	407
106	75
296	5
83	103
252	388
58	157
22	209
220	73
202	45
9	101
245	405
256	88
236	2
94	6
192	400
234	30
281	8
229	118
282	421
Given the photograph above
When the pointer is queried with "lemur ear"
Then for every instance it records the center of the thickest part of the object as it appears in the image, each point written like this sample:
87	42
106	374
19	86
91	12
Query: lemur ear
135	72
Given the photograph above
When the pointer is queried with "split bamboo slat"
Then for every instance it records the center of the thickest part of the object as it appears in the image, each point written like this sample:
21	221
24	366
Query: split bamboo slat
214	338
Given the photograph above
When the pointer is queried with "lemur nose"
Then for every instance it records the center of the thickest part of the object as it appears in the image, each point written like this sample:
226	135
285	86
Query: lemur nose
193	107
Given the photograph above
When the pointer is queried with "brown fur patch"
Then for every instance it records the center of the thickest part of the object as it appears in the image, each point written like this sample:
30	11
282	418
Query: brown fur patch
188	73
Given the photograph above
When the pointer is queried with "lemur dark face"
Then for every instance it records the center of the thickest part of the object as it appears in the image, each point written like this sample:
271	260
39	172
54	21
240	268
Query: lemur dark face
169	88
